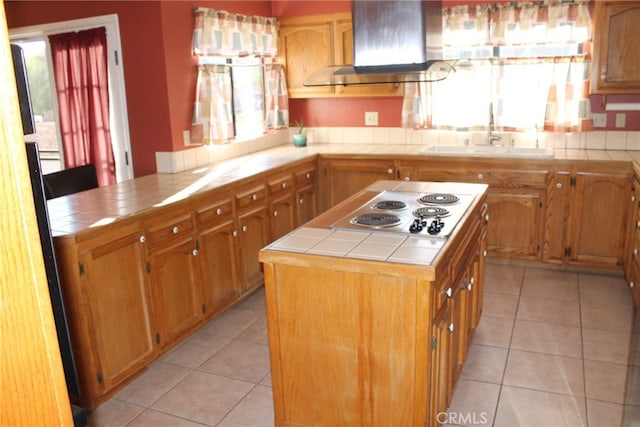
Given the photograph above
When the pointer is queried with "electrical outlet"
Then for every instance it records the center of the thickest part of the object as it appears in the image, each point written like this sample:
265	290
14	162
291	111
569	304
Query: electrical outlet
621	120
599	120
371	118
186	136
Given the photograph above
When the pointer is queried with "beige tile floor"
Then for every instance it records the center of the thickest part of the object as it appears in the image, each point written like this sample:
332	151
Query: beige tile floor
551	350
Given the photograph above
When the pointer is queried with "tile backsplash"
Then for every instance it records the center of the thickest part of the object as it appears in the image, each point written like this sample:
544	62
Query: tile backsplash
178	161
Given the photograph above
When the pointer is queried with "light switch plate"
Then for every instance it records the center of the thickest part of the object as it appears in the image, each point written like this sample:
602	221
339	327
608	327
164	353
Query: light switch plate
371	118
599	120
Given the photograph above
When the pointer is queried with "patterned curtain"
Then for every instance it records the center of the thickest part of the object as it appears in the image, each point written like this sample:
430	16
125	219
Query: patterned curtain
534	82
213	112
276	97
223	34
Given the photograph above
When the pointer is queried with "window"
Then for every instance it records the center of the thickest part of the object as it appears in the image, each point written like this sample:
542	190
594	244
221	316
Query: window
525	69
240	92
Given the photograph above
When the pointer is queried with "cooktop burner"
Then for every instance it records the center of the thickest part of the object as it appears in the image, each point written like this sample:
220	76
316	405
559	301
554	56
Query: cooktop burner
389	205
376	220
431	212
439	199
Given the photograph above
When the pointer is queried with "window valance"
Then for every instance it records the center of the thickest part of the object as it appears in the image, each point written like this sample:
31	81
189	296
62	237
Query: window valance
220	33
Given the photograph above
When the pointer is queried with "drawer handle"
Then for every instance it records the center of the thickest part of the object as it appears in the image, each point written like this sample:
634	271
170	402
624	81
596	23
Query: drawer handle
559	185
390	171
244	228
451	327
218	211
195	252
480	176
142	239
307	175
486	217
254	197
175	230
449	292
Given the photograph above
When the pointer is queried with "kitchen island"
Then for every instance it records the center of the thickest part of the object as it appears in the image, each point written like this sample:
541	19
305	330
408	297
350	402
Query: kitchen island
370	327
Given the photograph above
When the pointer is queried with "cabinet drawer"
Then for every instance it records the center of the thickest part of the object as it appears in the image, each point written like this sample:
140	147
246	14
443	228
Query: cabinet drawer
305	177
280	184
503	178
250	196
214	213
159	234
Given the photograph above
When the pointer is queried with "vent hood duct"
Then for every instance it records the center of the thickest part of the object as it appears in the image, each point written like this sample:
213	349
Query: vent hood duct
393	42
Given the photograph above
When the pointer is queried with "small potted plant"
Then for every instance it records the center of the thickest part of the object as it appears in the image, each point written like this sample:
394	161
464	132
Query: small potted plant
300	137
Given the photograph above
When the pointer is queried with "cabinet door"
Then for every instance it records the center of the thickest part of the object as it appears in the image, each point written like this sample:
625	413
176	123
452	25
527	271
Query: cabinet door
458	329
515	221
175	286
282	213
218	266
306	206
600	210
305	46
616	67
440	394
253	236
344	178
118	306
556	223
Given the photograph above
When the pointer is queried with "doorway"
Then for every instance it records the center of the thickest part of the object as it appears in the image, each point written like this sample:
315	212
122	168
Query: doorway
35	44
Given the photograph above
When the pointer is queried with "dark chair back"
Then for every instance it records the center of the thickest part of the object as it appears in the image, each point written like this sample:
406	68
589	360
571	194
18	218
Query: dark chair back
69	181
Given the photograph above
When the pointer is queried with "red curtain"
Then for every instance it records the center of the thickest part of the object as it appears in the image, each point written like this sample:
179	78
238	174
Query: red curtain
80	69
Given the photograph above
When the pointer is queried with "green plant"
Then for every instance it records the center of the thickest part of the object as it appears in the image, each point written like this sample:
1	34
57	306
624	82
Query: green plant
300	126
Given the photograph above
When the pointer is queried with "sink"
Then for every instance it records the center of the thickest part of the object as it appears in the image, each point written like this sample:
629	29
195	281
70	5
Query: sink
489	150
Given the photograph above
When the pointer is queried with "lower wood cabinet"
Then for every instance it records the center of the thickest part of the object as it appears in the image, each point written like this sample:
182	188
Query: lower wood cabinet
109	308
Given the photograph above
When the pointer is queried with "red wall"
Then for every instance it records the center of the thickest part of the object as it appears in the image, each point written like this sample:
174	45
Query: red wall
160	73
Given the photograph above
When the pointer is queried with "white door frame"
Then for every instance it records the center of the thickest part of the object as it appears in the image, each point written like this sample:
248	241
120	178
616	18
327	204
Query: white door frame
118	101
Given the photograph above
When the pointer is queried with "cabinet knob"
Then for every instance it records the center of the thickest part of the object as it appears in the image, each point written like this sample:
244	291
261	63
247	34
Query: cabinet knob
449	292
638	224
301	201
307	175
175	230
195	252
275	213
142	239
451	327
283	185
559	185
633	198
244	228
469	286
407	178
635	251
486	217
235	233
484	253
472	281
631	284
254	197
480	176
390	171
218	211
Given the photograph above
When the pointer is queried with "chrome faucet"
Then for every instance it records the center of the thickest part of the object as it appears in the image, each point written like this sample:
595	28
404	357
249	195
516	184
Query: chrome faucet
491	138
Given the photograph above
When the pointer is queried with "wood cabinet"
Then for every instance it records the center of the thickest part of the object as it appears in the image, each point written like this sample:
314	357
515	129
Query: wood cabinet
253	233
282	205
376	339
218	258
109	308
616	60
306	195
309	43
632	261
343	178
580	226
172	268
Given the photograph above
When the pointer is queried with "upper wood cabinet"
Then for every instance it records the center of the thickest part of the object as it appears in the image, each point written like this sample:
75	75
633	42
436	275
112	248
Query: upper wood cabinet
616	59
309	43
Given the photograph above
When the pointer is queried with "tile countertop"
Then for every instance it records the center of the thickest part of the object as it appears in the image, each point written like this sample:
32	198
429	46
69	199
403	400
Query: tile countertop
89	209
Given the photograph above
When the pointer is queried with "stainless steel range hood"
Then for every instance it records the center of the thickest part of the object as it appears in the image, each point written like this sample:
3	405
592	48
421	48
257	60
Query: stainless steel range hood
393	42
